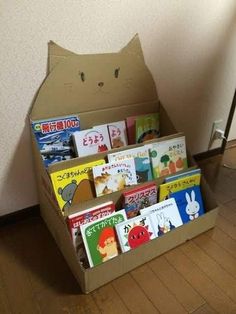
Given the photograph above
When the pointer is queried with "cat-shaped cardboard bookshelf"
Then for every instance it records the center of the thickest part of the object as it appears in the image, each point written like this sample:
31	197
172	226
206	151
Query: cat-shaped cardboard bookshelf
102	88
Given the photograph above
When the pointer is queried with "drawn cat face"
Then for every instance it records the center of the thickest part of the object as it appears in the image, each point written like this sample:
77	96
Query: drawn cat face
79	83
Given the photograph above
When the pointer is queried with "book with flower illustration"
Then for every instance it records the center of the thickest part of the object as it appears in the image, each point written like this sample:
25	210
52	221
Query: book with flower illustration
147	127
118	134
74	221
92	141
139	197
135	232
168	157
100	239
165	216
114	176
75	184
187	193
141	159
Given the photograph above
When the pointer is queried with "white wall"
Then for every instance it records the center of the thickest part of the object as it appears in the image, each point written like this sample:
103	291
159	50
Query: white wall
189	46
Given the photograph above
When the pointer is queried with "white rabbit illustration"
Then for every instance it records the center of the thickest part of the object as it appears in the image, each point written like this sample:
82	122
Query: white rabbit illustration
163	224
193	206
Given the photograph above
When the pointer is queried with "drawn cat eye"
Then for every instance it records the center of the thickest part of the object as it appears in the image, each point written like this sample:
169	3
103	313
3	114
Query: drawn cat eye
116	73
82	76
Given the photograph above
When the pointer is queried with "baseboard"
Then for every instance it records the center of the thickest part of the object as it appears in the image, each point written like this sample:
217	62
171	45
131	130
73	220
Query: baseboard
208	154
19	215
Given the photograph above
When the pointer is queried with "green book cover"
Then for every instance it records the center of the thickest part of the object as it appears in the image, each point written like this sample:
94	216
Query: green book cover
147	127
100	239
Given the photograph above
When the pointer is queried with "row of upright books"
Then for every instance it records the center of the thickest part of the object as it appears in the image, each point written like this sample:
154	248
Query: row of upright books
102	232
62	138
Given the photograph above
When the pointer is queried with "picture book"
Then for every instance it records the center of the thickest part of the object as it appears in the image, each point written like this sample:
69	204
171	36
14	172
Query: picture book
187	194
182	175
114	176
118	134
135	232
75	220
92	141
168	157
75	184
138	198
165	216
147	127
141	159
54	138
100	239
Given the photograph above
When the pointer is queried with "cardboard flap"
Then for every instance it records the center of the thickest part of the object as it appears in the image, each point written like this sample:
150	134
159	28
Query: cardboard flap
81	83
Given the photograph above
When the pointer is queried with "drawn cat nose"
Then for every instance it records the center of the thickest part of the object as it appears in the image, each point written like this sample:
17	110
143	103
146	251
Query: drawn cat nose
100	84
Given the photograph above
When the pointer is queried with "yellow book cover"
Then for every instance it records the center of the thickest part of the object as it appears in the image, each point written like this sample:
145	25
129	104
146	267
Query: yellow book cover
178	185
74	185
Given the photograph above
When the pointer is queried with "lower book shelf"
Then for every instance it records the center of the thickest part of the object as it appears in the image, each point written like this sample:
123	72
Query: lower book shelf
92	278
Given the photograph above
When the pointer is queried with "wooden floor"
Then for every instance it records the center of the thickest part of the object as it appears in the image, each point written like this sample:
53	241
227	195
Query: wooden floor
197	277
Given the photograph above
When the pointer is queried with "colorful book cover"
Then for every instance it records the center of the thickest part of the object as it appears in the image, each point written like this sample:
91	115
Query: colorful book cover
54	138
75	184
139	198
114	176
187	194
165	216
141	159
147	127
100	239
182	175
168	157
135	232
118	134
92	141
75	220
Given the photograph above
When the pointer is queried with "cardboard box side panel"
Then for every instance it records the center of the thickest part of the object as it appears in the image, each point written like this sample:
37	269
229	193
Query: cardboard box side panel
62	237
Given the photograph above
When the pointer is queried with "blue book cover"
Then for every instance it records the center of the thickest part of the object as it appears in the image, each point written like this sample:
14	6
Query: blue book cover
54	138
189	202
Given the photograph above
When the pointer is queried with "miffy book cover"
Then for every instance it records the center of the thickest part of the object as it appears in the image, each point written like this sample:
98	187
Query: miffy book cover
187	194
165	216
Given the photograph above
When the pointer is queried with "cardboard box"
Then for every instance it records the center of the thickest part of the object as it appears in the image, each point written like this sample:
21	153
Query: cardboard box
104	88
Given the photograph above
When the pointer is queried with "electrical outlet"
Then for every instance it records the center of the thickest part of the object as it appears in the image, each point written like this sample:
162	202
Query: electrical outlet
215	126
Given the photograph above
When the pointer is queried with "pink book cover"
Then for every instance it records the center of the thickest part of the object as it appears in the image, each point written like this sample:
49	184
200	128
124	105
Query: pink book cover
130	125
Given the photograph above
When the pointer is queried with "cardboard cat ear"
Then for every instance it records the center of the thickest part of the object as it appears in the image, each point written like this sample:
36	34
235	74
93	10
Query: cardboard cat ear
55	54
134	48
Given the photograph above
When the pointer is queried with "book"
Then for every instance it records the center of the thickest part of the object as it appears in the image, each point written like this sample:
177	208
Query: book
187	194
100	239
141	159
138	198
147	127
135	232
118	134
74	221
114	176
182	175
54	137
165	216
92	141
75	184
130	125
168	157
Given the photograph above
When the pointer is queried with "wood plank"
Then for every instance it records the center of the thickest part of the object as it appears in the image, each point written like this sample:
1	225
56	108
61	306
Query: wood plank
226	226
217	252
133	297
213	295
223	240
4	302
205	309
228	211
211	268
156	291
108	301
179	287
